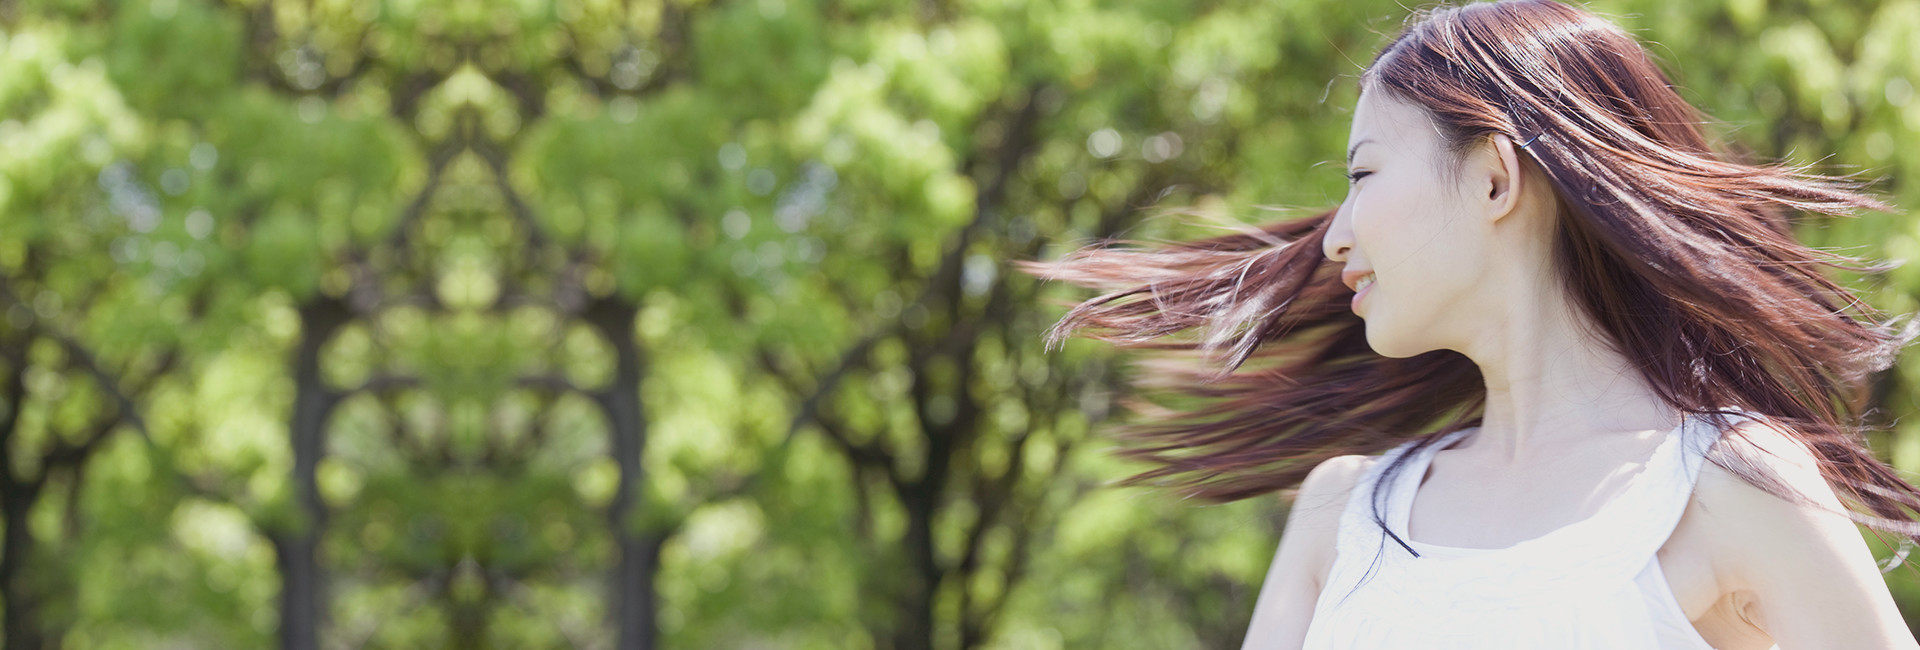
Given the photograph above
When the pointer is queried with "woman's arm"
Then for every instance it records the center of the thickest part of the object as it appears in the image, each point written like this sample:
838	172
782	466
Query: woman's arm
1809	576
1285	605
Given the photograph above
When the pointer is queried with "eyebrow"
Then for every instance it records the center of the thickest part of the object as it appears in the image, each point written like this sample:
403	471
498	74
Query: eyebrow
1355	147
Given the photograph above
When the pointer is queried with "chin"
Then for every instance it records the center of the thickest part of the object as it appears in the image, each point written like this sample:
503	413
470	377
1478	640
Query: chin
1387	344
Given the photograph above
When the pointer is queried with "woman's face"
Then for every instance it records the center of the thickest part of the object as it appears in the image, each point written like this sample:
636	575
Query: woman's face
1405	222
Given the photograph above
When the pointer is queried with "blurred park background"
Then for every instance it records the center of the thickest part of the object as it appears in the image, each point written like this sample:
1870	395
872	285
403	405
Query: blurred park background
339	324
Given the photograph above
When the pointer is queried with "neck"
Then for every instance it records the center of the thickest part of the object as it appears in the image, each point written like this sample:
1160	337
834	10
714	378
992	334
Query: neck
1551	383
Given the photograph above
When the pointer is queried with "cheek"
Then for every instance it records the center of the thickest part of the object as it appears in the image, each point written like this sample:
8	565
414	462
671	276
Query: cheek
1389	225
1417	245
1407	215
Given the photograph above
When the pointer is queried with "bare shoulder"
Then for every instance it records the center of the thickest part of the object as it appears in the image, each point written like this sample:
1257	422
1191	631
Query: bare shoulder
1735	516
1288	598
1766	446
1331	481
1315	514
1800	566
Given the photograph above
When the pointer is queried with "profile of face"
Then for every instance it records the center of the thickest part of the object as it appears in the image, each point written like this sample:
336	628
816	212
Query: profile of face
1422	233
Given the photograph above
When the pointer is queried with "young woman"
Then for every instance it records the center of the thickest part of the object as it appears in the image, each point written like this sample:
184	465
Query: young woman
1556	374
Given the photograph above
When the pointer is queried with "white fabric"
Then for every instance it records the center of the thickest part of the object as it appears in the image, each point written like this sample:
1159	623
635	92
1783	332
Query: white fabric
1595	584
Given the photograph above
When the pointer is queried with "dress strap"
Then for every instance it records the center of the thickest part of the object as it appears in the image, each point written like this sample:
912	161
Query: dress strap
1668	487
1407	483
1629	527
1359	527
1705	437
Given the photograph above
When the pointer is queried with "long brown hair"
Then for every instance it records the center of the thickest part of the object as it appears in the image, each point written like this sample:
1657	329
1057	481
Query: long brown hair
1681	255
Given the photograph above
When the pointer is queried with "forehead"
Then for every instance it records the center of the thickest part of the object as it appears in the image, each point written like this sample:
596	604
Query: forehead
1381	117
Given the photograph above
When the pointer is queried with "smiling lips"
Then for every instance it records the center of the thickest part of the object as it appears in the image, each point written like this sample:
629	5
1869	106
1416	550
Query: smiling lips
1361	281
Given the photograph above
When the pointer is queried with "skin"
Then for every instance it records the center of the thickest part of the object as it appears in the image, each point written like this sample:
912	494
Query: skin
1462	263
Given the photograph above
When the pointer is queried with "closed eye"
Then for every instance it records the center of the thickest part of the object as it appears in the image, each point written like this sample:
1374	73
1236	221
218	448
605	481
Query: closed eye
1354	177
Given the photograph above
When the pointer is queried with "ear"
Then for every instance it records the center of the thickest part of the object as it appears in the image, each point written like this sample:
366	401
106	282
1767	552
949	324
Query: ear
1502	178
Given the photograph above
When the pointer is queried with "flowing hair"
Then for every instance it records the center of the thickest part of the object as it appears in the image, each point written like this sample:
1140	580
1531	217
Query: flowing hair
1681	258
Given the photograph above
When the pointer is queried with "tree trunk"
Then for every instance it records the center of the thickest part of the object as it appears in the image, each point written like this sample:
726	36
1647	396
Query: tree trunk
22	627
23	622
920	584
302	581
634	606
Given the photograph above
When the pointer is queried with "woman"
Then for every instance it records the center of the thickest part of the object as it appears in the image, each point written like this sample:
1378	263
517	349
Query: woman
1626	398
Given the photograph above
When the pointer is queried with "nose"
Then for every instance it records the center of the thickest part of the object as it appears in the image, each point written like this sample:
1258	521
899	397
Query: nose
1339	239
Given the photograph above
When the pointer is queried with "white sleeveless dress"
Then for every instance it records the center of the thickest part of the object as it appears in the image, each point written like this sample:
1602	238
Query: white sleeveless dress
1595	584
